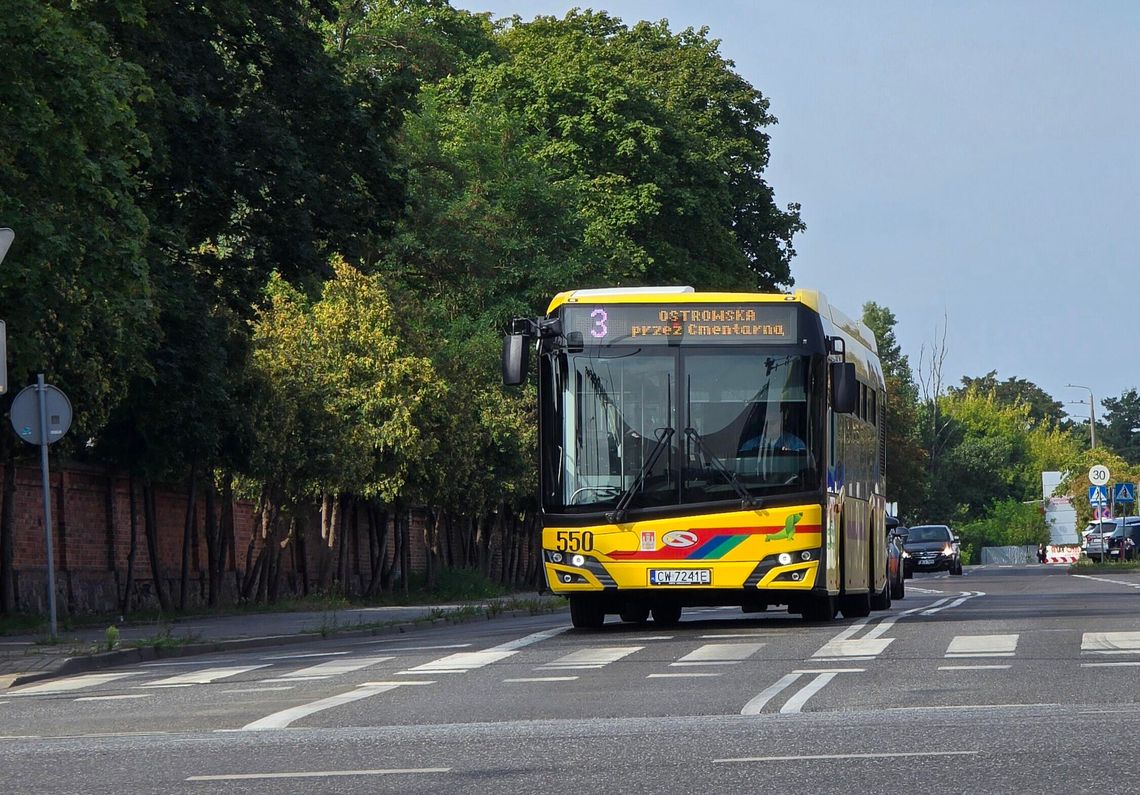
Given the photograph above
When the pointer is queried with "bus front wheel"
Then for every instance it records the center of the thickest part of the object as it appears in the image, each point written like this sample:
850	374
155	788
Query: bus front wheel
666	615
819	608
586	611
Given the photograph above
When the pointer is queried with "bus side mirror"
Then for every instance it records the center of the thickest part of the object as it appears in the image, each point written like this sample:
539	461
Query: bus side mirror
515	359
844	387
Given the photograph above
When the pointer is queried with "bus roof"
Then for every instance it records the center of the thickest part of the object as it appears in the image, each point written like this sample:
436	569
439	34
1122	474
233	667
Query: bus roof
855	330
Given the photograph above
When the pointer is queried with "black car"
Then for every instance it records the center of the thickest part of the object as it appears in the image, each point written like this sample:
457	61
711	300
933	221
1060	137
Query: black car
931	547
896	535
1125	539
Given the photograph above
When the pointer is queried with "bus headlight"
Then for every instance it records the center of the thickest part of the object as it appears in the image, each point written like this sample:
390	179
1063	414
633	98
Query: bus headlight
578	560
556	557
784	558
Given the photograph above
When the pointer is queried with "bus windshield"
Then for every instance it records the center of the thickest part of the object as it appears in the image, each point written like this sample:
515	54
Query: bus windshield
679	426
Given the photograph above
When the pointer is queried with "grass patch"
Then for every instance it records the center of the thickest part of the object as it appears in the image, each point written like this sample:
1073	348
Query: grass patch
164	639
1085	565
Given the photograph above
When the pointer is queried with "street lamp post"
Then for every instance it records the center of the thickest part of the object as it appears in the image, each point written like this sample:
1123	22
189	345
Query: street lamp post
1092	413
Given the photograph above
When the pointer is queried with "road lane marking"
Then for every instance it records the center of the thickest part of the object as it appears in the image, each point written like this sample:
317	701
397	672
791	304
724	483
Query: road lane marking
864	648
339	667
756	705
591	658
800	697
542	679
188	662
1106	579
682	675
515	645
205	676
818	757
282	719
829	671
115	698
1111	642
973	667
302	656
1130	664
966	596
737	635
258	689
982	646
70	684
411	648
395	771
719	654
644	638
461	662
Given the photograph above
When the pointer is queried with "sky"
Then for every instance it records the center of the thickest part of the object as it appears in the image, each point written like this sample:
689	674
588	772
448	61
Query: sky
972	166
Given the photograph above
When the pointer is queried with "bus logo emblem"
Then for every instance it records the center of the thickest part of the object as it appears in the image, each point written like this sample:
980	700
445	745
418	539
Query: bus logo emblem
680	539
648	541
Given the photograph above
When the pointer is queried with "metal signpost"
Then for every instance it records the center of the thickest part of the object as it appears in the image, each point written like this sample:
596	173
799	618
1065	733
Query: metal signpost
41	415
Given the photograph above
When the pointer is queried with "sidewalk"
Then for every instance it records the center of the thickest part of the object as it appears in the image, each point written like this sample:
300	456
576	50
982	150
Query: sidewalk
27	658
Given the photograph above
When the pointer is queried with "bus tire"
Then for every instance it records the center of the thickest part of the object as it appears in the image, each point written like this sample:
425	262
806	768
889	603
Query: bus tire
855	605
587	611
819	608
634	614
666	615
882	599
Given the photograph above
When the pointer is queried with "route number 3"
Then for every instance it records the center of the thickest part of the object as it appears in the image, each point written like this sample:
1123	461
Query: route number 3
570	541
600	328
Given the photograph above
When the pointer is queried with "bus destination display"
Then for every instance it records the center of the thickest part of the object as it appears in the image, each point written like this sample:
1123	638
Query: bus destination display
607	324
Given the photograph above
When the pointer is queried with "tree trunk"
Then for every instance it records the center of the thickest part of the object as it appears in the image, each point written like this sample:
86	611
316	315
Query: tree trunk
150	522
132	550
214	558
187	535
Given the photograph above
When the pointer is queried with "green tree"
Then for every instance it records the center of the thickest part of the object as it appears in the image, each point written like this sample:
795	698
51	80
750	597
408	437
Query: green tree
906	456
1013	390
1121	420
75	286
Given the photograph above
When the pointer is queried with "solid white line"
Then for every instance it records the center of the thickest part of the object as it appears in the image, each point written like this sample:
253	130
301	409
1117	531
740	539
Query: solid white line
962	655
205	676
187	662
1111	642
982	645
543	679
738	635
115	698
463	661
513	645
797	701
683	663
687	675
721	652
322	774
297	679
829	671
345	665
757	703
1106	579
257	689
812	757
1110	665
72	683
282	719
593	657
303	656
399	684
840	659
972	667
650	637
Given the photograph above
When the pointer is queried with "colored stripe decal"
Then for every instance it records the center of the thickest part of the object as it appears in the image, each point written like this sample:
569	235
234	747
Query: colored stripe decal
726	545
704	549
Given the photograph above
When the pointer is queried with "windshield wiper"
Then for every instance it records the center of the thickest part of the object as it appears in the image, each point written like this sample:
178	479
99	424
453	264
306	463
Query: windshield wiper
747	498
618	513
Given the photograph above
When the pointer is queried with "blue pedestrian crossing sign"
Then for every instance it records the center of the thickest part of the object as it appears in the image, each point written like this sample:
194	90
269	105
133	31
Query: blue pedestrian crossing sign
1098	496
1124	492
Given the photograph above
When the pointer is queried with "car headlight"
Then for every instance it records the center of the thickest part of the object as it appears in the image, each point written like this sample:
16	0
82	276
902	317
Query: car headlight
948	549
905	554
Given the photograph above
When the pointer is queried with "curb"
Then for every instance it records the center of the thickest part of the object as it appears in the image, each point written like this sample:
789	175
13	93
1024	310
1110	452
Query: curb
95	662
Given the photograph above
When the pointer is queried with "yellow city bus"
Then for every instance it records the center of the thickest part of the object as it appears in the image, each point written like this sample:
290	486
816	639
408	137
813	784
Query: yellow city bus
707	449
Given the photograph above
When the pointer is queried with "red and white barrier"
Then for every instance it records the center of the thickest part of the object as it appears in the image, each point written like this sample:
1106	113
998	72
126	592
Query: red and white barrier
1062	557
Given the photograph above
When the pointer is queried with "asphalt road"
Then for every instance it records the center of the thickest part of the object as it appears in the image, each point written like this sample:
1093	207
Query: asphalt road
1004	680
